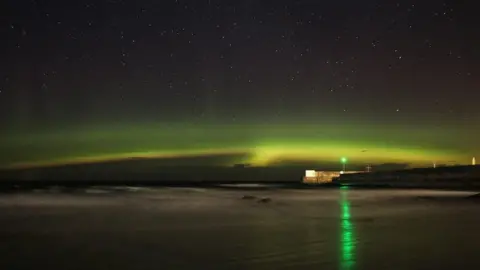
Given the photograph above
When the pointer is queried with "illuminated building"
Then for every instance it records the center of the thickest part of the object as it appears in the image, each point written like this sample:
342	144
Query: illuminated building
322	177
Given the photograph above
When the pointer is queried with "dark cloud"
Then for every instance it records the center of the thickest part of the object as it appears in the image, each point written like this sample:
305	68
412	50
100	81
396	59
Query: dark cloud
391	166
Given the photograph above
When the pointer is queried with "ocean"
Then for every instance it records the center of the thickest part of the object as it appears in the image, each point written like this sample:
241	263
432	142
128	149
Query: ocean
238	227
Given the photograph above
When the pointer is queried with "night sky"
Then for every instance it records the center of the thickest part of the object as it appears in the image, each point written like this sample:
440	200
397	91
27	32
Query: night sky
280	81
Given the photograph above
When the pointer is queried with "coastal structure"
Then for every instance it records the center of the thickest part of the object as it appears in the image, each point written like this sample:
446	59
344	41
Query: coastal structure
322	177
451	176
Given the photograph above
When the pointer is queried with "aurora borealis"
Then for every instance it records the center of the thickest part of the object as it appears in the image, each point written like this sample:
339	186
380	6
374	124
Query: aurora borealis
287	82
259	145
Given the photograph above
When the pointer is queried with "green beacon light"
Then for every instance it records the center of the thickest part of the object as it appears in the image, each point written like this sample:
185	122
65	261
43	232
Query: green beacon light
344	161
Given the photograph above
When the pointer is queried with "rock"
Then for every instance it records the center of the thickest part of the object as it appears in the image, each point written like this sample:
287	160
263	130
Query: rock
474	197
264	200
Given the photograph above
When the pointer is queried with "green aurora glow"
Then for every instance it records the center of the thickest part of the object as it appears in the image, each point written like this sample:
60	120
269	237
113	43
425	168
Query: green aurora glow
262	145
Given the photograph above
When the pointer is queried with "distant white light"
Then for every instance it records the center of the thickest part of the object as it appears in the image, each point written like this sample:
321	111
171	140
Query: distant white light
310	173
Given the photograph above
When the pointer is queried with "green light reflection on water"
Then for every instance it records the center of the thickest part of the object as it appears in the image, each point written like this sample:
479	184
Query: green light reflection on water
347	235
